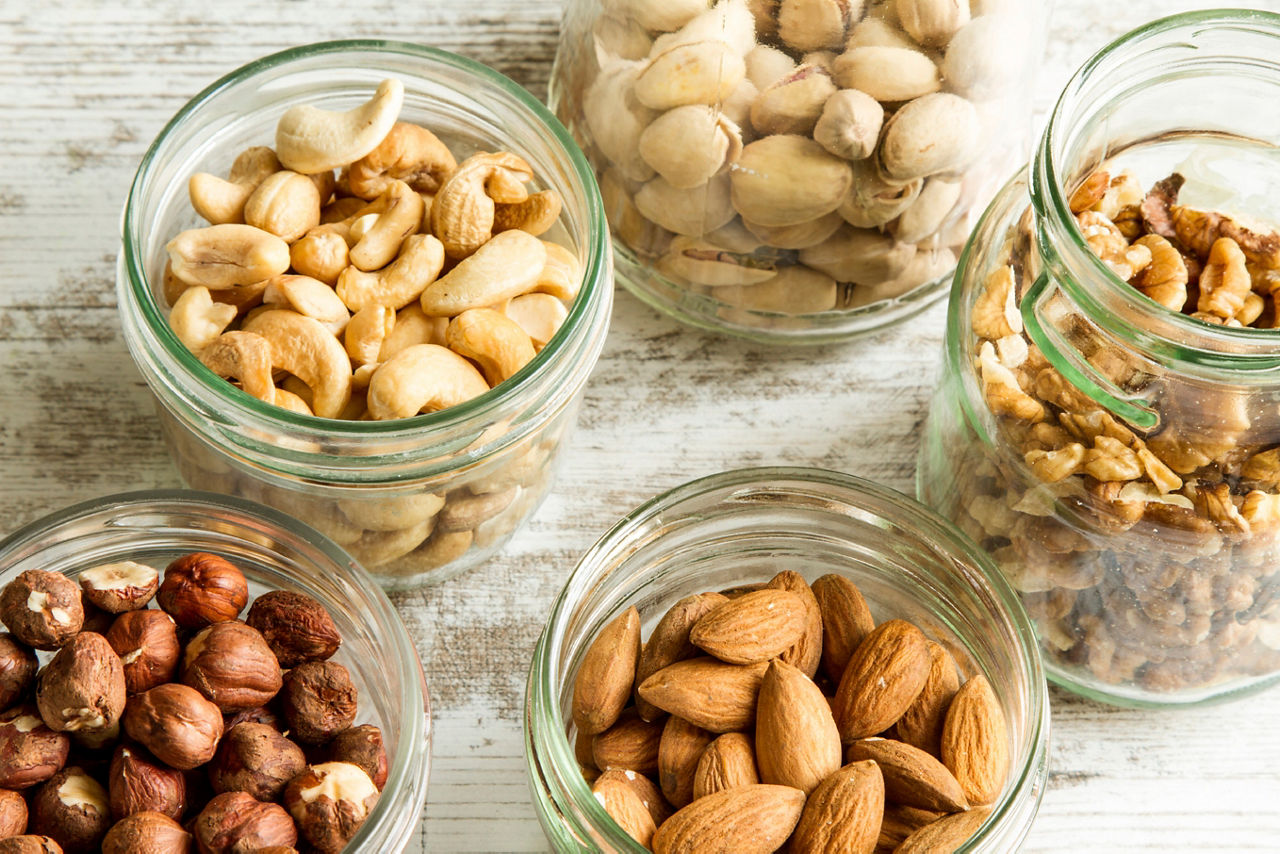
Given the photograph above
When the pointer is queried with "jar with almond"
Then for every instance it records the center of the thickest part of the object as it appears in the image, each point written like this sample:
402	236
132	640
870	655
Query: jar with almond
796	170
1107	426
786	657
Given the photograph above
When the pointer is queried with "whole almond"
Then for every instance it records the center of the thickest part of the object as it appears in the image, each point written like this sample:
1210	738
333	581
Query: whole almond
900	822
709	693
645	788
746	820
975	741
846	620
843	814
625	807
911	776
752	628
882	679
921	724
806	653
740	590
631	744
797	742
944	835
669	642
607	672
678	754
582	750
728	762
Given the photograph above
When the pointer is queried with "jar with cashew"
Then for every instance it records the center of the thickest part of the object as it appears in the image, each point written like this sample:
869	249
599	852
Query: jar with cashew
1108	426
363	311
795	170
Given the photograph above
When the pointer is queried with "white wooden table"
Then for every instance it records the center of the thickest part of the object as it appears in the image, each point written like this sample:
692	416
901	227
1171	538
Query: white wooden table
84	87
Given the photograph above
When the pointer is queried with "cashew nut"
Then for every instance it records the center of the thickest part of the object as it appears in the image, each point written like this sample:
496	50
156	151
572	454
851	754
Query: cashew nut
310	297
341	210
321	253
303	347
286	204
401	216
436	551
463	512
368	329
506	187
412	327
536	214
492	340
375	548
243	298
310	140
286	399
391	513
462	214
222	201
561	275
197	320
227	256
422	378
539	315
409	153
420	262
243	356
508	265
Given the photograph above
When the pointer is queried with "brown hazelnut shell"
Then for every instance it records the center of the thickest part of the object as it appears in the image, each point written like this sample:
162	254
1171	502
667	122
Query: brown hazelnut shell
13	813
255	759
201	588
231	665
137	782
18	668
296	627
147	643
362	746
55	622
30	752
319	701
179	726
148	833
234	822
82	689
78	826
29	844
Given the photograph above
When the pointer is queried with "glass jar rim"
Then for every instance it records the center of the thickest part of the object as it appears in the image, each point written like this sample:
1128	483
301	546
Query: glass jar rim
1226	347
595	286
627	535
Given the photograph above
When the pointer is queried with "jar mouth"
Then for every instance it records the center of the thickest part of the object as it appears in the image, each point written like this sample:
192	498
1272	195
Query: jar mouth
1169	48
549	754
596	283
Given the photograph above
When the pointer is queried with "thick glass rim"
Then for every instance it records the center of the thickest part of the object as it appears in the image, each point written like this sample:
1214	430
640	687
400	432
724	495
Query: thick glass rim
415	712
545	739
1228	347
594	289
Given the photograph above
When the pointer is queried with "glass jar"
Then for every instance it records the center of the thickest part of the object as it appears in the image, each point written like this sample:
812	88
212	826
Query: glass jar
741	527
1114	457
275	552
415	500
797	171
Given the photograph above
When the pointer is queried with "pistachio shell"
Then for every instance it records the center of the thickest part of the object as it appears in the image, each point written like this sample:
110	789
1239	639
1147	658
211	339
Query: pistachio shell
615	118
626	222
729	21
735	237
931	135
824	59
767	65
619	38
806	25
794	290
928	212
877	32
850	123
859	255
793	103
924	267
887	73
932	22
690	212
705	263
737	107
982	59
873	201
657	15
703	72
786	180
689	144
800	236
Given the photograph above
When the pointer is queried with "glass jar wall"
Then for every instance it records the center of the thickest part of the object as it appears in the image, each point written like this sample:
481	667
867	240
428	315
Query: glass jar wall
1117	457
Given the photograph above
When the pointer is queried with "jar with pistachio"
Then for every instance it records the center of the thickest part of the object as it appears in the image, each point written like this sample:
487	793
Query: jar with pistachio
795	170
1108	425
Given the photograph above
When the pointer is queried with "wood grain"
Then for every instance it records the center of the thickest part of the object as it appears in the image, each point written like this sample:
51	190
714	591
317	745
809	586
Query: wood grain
86	85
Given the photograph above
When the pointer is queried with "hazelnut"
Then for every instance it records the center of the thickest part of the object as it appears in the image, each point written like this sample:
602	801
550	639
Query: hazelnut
231	664
234	822
120	587
30	752
330	802
71	808
147	833
96	619
137	783
42	609
179	727
296	627
147	643
255	759
201	588
260	715
18	666
82	689
29	845
318	700
362	745
13	813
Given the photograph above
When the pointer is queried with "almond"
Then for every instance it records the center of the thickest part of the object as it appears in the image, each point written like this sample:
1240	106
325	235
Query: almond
911	776
746	820
921	724
669	642
975	741
728	762
882	679
797	742
944	835
843	814
630	744
608	669
645	788
806	653
582	750
625	807
900	822
678	754
741	590
846	620
753	628
706	692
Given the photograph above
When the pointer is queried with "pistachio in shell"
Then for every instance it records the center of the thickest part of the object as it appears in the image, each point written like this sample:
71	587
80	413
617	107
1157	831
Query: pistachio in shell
688	145
788	179
934	134
794	102
690	212
704	72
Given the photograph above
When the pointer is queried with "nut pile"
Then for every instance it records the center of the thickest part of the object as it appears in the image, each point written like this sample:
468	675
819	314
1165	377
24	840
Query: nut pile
178	729
1147	558
781	712
797	156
